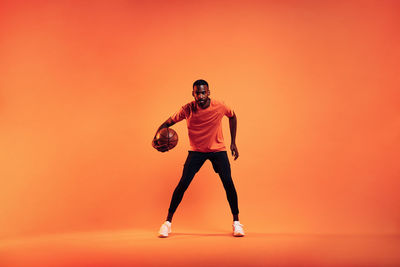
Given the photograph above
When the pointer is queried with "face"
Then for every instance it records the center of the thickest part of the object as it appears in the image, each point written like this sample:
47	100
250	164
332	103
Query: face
201	93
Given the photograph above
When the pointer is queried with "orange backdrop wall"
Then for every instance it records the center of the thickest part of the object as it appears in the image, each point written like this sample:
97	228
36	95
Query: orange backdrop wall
85	84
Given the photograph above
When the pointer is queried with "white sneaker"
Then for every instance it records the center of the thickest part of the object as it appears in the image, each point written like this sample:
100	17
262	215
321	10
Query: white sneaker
237	229
165	229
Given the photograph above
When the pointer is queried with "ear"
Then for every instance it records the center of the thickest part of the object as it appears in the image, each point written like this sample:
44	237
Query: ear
193	93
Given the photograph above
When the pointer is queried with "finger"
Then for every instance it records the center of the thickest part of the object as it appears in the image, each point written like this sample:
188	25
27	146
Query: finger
163	149
160	146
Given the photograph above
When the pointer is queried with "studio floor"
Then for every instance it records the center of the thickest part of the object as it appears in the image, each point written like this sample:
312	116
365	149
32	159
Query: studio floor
189	248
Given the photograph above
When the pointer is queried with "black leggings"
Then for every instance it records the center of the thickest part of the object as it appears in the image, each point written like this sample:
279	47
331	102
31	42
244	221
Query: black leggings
194	161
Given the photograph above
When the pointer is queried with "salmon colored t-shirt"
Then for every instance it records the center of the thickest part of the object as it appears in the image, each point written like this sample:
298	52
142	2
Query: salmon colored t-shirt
204	125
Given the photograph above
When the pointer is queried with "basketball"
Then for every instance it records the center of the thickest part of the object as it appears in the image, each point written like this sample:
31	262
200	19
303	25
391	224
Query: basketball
167	138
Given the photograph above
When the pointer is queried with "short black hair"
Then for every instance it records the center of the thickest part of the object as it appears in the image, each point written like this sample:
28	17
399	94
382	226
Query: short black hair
200	82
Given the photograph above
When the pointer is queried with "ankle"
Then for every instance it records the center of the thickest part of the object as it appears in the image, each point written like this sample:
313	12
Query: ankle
169	216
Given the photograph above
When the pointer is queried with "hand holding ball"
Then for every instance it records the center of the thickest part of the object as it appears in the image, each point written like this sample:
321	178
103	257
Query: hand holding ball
165	139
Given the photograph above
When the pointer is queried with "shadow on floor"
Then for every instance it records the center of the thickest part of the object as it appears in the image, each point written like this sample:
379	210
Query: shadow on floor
199	234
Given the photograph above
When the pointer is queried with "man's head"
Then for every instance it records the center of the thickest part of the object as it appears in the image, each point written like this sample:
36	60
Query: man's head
201	93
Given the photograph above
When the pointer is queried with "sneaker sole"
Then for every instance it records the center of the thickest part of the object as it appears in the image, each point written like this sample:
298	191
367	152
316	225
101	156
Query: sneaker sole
238	235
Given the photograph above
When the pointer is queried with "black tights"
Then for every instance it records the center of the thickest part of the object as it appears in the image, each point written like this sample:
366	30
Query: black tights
194	161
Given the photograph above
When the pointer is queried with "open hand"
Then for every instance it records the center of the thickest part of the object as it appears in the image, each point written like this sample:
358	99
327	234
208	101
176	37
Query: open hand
161	148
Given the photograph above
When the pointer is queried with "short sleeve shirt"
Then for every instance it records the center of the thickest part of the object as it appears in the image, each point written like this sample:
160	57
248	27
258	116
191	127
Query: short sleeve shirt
204	125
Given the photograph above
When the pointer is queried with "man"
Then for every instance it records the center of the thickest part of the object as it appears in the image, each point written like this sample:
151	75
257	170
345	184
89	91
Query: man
203	116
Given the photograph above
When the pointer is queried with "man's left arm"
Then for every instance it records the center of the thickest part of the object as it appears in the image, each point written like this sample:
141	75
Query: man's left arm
233	127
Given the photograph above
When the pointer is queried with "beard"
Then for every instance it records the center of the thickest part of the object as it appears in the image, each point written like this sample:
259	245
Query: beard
203	104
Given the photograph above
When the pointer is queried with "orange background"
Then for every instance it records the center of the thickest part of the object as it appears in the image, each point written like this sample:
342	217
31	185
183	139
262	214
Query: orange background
85	84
